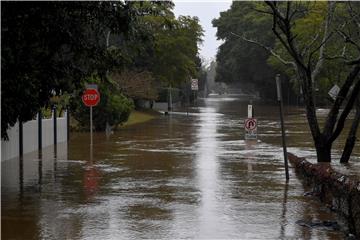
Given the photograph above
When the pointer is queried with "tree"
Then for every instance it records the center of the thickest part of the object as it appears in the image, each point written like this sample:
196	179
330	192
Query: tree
308	61
135	85
114	108
176	49
50	47
240	61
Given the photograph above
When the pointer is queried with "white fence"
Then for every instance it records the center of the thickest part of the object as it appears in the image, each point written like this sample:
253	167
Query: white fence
10	149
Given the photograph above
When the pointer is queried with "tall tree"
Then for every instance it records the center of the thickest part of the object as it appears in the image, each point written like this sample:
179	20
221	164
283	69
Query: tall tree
176	49
240	61
50	47
308	60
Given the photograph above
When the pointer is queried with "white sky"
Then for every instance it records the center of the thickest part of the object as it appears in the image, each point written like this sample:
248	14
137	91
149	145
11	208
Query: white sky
206	11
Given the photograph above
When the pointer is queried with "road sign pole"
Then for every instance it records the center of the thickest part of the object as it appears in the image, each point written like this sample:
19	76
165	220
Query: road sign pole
279	95
91	126
91	97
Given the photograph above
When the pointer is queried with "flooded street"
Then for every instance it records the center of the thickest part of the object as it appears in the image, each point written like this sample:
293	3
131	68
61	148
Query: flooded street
177	176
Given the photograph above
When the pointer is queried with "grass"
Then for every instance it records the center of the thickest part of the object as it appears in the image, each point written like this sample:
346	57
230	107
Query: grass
135	117
140	117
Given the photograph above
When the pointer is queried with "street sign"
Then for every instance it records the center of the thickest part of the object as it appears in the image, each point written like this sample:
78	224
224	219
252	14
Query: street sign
250	128
194	84
91	97
334	91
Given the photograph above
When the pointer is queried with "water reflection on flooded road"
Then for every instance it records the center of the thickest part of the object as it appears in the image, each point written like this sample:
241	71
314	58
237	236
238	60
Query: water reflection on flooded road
174	177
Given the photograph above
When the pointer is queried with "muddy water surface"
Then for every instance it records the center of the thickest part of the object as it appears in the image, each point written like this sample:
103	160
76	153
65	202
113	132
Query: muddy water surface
177	176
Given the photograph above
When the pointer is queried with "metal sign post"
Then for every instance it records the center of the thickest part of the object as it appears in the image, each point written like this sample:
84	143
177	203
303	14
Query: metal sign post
91	126
250	111
279	98
194	87
91	97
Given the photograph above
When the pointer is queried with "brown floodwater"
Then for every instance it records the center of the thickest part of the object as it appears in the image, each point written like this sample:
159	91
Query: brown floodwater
177	176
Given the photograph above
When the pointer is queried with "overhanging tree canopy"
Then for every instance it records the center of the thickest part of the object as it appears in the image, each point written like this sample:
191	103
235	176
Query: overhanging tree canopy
308	60
49	47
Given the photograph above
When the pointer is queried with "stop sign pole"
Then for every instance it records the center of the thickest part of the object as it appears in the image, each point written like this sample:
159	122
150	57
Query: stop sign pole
91	97
91	126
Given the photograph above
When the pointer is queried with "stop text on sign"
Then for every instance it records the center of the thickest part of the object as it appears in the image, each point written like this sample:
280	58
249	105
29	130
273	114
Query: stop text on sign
91	97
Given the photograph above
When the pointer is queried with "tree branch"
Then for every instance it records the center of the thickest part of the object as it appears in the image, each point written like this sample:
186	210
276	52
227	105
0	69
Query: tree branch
308	46
353	62
320	62
269	49
346	111
303	71
261	11
348	39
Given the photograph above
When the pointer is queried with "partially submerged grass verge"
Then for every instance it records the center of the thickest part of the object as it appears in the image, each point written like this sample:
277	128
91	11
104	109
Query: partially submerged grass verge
141	116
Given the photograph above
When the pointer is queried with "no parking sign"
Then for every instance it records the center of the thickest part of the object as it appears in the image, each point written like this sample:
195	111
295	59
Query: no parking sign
250	128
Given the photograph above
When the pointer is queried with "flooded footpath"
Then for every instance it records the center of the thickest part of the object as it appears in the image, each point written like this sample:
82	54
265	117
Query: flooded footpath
177	176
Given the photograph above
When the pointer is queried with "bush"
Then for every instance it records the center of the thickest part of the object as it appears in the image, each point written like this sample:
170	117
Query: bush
113	108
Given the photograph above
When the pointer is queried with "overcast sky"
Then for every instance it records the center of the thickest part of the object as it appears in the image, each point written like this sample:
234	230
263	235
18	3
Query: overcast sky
206	11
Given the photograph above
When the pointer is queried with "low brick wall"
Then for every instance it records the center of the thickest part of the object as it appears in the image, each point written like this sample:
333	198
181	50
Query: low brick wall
340	192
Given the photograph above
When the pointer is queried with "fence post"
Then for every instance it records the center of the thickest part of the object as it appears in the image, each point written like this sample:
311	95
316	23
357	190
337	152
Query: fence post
39	131
55	125
21	144
68	124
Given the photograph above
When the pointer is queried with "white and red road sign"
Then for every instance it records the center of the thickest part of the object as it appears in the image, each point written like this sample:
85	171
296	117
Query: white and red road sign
250	124
250	128
194	84
91	97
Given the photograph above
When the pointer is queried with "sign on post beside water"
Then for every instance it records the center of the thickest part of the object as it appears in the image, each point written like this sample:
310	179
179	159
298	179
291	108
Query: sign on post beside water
250	129
91	97
194	84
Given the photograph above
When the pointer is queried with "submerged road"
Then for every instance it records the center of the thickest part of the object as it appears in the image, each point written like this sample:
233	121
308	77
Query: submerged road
174	177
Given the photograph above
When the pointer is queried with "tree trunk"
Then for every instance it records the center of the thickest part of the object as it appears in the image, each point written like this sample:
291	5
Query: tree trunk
323	152
351	139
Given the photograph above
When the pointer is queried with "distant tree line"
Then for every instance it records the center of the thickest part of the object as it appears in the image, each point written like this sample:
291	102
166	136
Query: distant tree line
51	50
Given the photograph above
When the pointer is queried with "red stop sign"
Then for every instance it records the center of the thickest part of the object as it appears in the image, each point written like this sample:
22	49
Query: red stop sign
91	97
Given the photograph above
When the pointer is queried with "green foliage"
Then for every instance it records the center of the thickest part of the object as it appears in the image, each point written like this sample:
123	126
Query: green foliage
239	61
175	48
136	85
254	67
309	31
114	108
51	47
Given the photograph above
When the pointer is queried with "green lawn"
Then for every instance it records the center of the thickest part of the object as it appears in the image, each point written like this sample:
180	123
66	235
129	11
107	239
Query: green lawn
140	117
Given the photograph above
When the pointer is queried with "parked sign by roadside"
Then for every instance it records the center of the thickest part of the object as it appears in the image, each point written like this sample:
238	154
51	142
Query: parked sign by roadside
334	91
250	128
194	84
